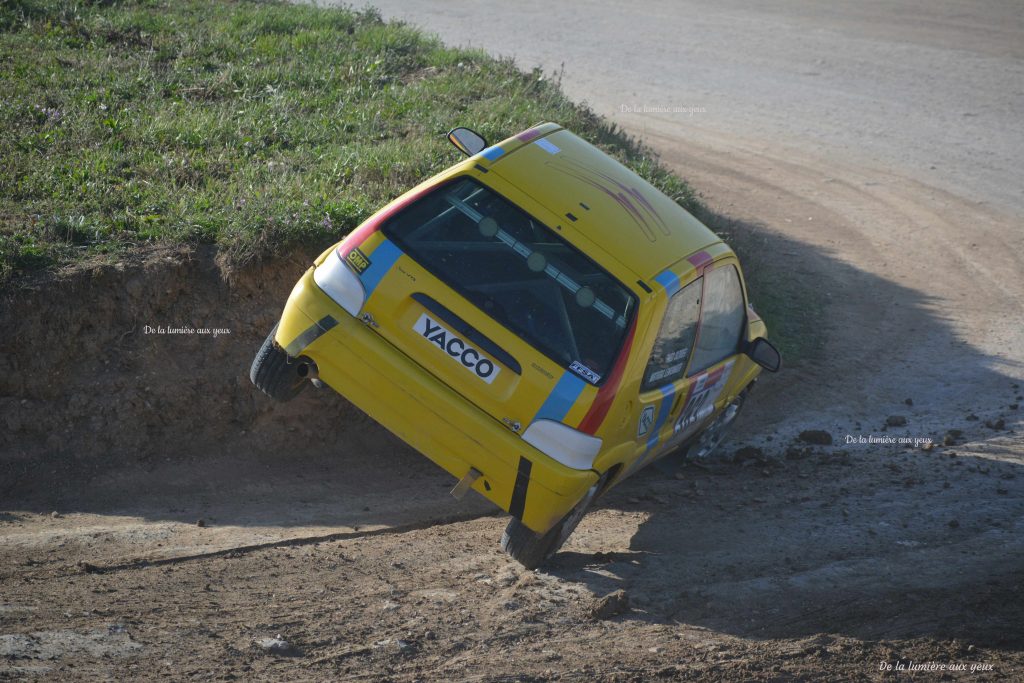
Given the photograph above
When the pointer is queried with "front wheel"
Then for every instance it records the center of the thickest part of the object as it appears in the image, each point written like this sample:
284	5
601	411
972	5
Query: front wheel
532	550
277	374
714	434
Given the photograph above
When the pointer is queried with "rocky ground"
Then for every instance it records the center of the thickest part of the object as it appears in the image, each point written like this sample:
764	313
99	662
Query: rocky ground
793	562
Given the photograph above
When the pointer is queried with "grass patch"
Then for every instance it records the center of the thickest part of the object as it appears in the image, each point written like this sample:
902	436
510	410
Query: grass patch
252	125
792	311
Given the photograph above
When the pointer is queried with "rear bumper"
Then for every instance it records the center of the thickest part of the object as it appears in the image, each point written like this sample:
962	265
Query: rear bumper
426	413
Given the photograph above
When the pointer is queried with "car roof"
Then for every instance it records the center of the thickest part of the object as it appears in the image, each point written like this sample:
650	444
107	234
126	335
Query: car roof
599	198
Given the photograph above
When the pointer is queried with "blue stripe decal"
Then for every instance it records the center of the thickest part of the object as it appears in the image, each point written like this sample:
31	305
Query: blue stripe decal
547	146
492	153
667	392
668	280
381	260
561	398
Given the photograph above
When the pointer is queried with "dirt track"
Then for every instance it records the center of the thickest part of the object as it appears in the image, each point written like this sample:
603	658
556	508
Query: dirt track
807	563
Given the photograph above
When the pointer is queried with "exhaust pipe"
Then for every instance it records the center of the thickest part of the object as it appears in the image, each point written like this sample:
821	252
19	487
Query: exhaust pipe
307	369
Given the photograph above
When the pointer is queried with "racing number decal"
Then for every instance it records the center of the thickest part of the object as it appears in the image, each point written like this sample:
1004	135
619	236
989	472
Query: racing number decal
701	401
694	409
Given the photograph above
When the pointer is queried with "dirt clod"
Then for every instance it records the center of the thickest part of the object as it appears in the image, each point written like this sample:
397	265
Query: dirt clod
816	436
276	646
748	453
896	421
796	453
610	605
951	437
996	424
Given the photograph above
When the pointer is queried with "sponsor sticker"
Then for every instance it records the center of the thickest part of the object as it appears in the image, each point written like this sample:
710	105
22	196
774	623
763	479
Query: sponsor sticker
357	260
585	372
457	348
677	355
671	370
646	420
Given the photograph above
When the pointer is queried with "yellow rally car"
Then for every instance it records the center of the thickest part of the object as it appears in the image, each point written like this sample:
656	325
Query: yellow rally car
538	320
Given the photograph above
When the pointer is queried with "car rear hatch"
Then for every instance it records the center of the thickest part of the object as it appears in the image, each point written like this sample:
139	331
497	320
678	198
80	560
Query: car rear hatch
494	304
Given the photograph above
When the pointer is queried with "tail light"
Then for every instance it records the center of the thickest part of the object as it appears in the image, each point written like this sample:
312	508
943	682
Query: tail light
566	445
341	284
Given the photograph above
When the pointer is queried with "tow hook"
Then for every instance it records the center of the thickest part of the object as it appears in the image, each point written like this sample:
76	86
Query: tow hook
462	488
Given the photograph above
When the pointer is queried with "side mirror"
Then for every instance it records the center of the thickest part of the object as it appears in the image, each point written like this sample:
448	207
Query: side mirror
764	354
467	141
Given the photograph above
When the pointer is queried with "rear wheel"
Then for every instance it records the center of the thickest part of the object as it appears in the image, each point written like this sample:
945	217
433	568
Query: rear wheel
277	374
531	549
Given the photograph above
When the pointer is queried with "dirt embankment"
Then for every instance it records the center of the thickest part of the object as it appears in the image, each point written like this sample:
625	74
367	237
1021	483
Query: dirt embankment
133	364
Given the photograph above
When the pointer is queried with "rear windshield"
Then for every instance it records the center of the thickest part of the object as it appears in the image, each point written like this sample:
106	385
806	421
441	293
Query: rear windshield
520	273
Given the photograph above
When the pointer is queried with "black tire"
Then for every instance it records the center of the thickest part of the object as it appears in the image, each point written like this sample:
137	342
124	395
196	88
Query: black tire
275	373
531	549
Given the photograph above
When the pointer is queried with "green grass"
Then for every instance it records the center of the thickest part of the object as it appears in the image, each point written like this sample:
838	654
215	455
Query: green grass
251	125
255	126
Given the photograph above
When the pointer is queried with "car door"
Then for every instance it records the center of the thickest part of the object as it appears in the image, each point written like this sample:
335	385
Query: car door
719	333
691	361
664	382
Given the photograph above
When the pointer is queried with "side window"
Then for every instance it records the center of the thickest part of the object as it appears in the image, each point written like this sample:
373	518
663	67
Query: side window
722	318
675	338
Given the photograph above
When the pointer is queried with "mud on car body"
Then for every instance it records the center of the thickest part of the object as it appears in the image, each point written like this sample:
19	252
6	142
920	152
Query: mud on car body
538	320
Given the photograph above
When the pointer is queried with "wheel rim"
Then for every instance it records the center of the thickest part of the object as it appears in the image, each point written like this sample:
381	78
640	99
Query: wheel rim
711	437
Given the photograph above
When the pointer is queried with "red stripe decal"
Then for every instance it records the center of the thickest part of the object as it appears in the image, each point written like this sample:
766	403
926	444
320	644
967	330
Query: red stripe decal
700	259
373	223
528	135
606	394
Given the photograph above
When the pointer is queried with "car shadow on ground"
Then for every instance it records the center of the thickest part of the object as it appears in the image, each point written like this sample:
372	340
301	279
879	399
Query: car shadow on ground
863	540
870	546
